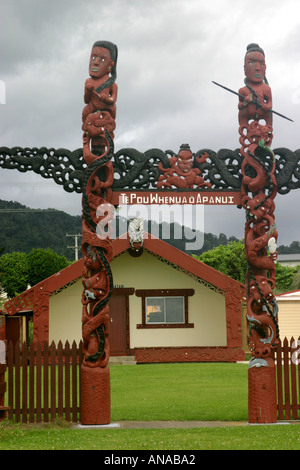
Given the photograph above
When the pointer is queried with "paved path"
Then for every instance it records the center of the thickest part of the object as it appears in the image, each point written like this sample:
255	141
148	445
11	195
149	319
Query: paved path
164	424
178	424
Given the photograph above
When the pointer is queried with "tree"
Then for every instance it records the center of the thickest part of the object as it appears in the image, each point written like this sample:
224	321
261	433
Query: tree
14	273
284	278
294	247
2	249
43	263
229	259
295	284
18	270
36	228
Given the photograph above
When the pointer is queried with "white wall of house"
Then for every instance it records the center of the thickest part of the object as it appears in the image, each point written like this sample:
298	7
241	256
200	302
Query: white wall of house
206	306
65	314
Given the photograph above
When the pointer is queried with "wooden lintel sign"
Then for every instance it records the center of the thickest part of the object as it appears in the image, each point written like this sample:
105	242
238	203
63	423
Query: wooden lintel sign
175	197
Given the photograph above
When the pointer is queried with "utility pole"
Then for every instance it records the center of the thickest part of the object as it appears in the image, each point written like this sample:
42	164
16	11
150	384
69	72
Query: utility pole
76	247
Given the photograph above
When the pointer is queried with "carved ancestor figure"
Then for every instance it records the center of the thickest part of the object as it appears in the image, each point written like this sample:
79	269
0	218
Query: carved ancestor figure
98	124
255	117
182	173
258	190
100	94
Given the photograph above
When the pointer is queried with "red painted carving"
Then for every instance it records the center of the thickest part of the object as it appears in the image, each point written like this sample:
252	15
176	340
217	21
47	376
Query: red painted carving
2	327
255	117
41	313
233	295
100	95
98	117
188	354
181	173
20	303
258	191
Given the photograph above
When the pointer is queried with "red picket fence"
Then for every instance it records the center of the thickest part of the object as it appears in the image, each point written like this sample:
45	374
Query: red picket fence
44	382
287	358
3	408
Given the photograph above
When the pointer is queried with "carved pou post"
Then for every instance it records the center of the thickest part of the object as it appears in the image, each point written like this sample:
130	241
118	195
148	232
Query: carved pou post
98	119
258	191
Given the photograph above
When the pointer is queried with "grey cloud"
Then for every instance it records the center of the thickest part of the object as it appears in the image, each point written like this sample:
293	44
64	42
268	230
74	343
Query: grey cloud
169	52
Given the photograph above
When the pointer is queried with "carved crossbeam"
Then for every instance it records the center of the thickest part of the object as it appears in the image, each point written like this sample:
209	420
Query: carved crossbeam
134	170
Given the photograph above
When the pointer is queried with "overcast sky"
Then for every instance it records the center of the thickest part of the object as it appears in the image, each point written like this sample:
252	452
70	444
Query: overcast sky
169	53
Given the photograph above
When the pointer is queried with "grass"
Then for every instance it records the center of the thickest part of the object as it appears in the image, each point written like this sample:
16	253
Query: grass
186	392
192	392
57	437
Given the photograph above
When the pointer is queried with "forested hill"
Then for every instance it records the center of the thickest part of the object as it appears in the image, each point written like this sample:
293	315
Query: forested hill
23	228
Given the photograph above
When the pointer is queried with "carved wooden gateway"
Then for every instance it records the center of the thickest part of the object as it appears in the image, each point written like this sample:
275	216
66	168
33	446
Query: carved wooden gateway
249	177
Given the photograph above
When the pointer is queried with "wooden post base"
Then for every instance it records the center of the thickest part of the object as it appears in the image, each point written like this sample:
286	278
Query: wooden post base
95	395
262	399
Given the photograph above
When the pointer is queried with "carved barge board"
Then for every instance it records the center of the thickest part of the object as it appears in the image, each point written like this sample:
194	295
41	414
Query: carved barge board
137	171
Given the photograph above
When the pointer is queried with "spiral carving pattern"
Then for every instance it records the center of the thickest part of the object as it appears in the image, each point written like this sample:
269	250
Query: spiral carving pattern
258	191
98	124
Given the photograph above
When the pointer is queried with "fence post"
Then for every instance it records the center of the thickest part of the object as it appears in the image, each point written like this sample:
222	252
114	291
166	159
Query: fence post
286	375
279	359
293	380
3	408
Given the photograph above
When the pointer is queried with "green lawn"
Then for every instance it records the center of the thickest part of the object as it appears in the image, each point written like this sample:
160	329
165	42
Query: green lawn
193	391
185	392
55	437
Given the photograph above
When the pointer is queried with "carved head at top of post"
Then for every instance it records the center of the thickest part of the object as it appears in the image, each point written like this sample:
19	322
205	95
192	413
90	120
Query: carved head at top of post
255	102
101	88
103	61
254	64
100	96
